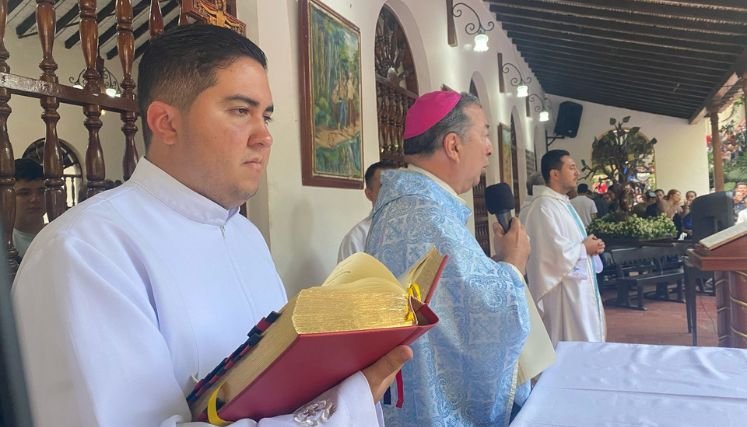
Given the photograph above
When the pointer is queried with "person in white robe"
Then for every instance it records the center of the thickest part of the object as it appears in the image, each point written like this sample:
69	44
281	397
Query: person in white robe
560	271
126	300
355	239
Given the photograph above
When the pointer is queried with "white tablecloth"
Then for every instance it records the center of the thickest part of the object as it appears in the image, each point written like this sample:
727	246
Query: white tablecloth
610	384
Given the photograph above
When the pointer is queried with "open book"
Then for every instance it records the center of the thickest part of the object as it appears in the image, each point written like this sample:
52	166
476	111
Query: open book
322	336
724	236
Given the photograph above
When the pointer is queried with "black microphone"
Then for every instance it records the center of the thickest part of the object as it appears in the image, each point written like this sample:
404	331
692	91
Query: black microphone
500	200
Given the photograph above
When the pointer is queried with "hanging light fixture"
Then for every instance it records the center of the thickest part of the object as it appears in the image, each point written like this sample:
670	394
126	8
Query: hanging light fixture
477	29
110	84
481	43
520	83
544	113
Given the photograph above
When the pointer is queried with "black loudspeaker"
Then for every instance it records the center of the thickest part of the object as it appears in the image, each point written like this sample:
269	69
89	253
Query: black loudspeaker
569	116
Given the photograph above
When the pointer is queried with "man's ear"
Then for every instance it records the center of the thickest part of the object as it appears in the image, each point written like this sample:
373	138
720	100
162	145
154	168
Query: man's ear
451	146
369	193
163	120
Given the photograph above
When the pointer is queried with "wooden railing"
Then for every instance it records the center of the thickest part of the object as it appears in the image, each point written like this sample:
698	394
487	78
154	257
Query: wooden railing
51	94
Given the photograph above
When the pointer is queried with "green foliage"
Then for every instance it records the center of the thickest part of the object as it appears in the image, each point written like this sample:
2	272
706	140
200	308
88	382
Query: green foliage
633	227
619	153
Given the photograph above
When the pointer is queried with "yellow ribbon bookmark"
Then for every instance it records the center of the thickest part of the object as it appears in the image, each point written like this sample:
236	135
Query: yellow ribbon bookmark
212	409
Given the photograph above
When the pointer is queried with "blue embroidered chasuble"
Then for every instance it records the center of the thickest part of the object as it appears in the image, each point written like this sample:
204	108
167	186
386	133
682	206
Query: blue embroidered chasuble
463	372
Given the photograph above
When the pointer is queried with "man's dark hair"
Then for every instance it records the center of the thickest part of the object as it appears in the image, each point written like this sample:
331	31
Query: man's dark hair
28	170
371	171
582	188
181	63
456	121
553	159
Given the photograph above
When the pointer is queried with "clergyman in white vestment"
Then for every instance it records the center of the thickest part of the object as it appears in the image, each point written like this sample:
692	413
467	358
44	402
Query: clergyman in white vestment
126	299
355	240
560	270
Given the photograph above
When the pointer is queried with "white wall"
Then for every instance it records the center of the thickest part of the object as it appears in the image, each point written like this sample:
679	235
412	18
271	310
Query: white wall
680	151
305	224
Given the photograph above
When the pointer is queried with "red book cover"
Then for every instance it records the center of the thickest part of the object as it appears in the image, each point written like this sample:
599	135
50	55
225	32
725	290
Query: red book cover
311	364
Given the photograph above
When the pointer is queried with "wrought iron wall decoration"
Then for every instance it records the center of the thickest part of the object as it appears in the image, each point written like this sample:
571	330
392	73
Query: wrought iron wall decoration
520	82
474	29
542	107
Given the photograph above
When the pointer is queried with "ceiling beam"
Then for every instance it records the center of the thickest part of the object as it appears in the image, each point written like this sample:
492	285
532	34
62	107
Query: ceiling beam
720	89
614	75
595	62
645	97
616	102
557	29
622	73
582	42
651	59
624	85
692	20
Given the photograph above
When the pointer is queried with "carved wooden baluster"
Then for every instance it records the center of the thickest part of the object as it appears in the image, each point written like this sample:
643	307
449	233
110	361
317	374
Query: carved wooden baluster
379	109
391	117
7	165
397	124
89	41
126	49
383	130
156	19
55	193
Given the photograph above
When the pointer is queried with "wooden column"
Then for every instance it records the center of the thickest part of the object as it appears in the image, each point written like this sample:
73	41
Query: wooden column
738	309
126	49
89	38
55	193
718	161
7	164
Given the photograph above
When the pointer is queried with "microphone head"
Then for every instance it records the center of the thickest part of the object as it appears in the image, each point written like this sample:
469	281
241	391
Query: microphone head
498	197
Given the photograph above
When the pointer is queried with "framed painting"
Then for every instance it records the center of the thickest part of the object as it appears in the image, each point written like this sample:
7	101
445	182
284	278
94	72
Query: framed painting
331	128
504	149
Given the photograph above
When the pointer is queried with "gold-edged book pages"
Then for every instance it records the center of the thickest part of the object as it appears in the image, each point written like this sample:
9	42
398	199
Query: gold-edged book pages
360	294
538	353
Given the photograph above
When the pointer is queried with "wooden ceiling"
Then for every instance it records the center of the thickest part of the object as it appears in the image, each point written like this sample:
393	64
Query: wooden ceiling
670	57
22	19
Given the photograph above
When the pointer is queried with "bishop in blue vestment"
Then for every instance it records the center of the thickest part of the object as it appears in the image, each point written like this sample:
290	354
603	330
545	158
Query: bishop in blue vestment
464	371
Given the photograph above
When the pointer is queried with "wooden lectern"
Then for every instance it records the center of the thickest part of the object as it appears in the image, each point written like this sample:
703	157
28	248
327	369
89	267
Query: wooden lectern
729	264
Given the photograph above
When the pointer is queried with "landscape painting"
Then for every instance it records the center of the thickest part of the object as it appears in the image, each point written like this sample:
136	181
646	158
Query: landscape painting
332	146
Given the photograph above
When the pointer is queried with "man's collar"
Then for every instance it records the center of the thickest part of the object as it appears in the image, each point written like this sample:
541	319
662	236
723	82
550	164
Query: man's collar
441	183
178	196
545	191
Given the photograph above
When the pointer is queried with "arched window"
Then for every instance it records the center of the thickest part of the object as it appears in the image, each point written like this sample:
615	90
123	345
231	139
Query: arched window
72	172
396	84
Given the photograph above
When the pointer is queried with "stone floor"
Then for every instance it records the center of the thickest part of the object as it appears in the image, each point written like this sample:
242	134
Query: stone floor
662	323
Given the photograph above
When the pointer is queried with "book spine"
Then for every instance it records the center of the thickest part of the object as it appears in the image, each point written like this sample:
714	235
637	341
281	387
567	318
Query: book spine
254	336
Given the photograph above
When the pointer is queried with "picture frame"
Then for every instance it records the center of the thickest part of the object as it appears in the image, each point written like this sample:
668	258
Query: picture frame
330	86
504	150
